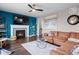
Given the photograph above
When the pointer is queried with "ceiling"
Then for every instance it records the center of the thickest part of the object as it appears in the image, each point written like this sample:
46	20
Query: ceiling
22	8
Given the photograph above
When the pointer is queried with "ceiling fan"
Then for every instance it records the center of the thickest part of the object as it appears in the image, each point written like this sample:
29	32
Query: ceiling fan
33	7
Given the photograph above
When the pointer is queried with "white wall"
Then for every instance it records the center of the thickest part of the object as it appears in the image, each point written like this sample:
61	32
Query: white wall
62	20
61	17
39	26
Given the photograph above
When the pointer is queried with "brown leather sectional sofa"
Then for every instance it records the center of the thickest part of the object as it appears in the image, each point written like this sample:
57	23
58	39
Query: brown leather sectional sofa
61	38
64	49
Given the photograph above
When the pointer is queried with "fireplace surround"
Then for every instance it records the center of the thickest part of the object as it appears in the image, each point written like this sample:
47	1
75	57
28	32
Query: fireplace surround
15	28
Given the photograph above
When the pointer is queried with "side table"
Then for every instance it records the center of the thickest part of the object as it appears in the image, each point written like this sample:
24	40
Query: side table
2	50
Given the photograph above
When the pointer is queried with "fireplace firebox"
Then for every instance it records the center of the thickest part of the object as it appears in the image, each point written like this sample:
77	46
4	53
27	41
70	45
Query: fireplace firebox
20	34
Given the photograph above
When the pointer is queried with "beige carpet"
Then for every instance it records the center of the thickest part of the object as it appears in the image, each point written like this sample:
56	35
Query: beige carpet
32	48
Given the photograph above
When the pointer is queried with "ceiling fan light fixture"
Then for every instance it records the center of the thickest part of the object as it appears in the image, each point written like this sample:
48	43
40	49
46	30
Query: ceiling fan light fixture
33	10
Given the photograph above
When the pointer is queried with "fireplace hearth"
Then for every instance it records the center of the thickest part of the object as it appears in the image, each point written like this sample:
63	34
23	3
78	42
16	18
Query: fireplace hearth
20	34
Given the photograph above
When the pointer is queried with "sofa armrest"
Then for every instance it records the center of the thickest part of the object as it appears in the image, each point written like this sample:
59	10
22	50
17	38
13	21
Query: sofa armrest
62	51
53	52
48	39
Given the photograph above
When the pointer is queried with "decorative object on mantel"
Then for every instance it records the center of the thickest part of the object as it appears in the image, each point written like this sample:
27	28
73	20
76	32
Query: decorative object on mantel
73	19
20	20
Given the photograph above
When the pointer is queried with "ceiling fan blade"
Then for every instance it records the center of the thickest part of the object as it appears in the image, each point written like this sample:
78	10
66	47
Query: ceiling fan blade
30	11
30	6
39	9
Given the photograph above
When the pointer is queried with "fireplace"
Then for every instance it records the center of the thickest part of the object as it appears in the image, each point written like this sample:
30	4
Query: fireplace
20	34
21	31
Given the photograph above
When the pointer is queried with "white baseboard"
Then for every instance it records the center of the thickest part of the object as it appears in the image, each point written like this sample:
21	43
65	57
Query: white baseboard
32	35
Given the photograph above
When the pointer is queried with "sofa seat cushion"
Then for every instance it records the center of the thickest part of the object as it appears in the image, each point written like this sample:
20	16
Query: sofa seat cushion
59	40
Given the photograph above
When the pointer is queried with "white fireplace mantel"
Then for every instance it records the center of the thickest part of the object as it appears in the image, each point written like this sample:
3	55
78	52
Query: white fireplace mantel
20	27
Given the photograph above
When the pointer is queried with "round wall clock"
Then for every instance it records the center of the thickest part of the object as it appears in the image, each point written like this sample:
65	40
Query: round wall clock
73	19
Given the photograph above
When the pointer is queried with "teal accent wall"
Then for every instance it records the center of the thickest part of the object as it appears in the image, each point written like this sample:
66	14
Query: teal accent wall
32	26
9	20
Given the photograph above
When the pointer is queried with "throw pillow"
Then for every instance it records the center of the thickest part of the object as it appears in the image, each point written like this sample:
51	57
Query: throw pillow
50	33
73	40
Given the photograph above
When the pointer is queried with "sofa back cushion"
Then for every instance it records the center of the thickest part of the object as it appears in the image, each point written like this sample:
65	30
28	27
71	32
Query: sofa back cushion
74	35
55	33
59	40
64	34
77	35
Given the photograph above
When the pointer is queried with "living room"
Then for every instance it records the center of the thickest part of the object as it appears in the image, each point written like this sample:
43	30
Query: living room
38	29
